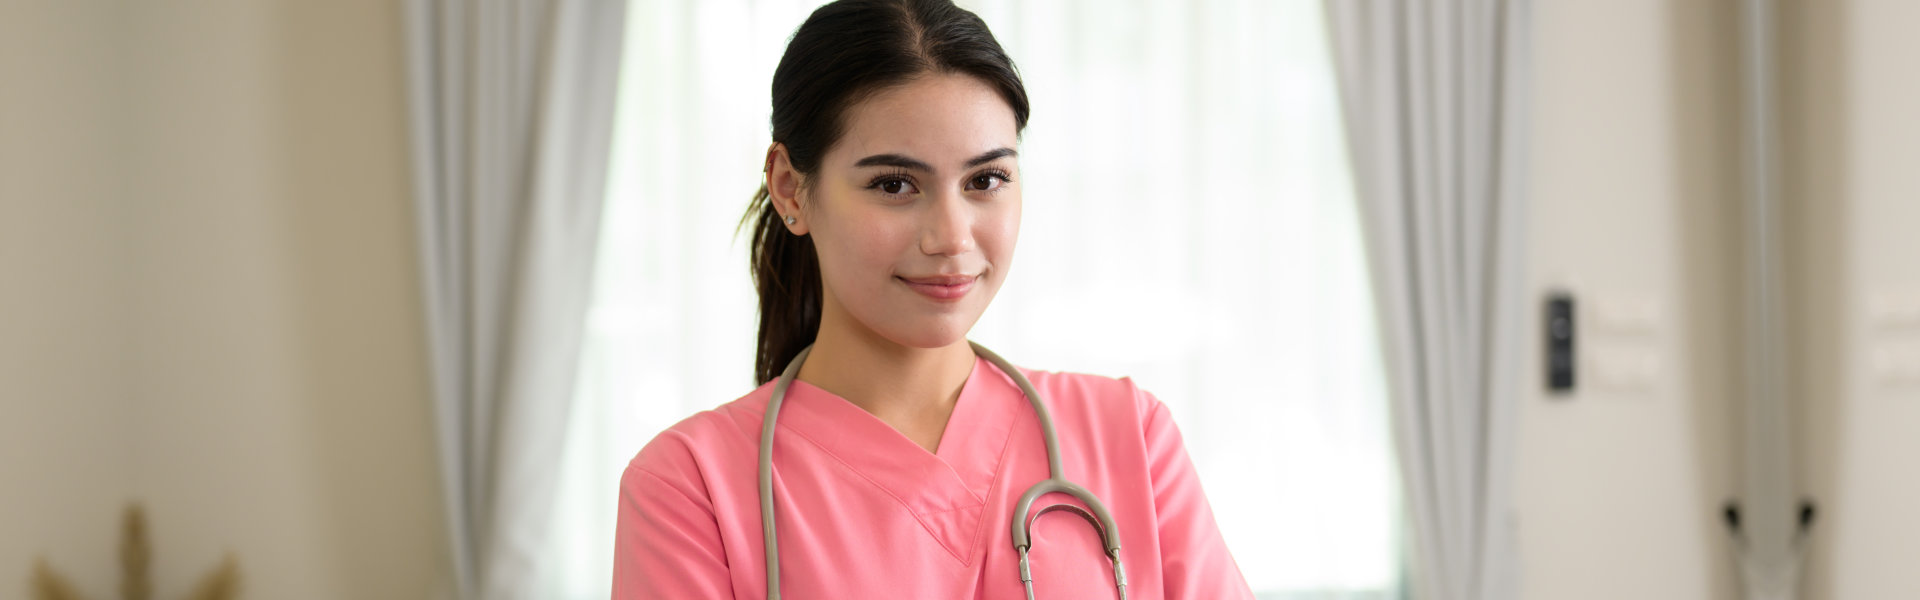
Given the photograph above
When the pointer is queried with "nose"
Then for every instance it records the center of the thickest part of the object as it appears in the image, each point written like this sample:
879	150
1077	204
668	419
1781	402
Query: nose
947	229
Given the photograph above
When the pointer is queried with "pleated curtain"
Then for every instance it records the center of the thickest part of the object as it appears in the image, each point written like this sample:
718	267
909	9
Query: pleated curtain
511	113
1434	107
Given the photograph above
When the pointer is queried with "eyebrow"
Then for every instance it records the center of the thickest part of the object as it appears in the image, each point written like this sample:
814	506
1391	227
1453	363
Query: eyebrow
905	162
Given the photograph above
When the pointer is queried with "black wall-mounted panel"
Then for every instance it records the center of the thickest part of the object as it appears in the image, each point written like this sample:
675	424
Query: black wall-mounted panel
1560	330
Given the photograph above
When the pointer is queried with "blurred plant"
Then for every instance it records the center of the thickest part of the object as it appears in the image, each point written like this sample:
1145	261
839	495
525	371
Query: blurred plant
223	583
135	582
49	585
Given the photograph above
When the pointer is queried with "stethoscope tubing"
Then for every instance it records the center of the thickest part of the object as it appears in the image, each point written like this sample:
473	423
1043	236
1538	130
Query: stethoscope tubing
1021	525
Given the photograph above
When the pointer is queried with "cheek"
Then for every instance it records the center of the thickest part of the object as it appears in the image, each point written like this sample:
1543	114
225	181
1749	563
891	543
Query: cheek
998	232
861	247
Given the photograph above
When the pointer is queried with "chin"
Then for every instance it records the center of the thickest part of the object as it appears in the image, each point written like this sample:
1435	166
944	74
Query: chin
938	334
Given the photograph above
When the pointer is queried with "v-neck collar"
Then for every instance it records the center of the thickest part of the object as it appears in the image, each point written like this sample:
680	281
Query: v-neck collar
947	488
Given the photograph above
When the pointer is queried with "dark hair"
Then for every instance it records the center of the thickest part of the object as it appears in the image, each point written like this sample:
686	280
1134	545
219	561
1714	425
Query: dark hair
844	53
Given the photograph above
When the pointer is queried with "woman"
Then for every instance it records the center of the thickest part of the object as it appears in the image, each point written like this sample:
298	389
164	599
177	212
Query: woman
884	227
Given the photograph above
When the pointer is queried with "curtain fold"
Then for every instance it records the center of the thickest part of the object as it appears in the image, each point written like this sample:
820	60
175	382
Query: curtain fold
511	112
1433	96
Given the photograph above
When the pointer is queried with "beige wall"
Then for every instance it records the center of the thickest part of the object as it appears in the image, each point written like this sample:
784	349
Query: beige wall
1632	180
1855	182
216	271
1635	142
65	435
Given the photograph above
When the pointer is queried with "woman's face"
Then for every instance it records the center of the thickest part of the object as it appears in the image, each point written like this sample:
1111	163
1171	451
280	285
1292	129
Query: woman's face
915	210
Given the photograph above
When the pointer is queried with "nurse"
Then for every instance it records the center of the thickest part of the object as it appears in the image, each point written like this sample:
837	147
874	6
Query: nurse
886	223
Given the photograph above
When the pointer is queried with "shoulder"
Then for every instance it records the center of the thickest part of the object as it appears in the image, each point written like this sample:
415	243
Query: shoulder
1100	397
686	453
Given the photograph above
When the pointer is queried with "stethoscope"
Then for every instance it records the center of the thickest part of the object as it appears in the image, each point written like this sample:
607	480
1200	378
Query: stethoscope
1022	523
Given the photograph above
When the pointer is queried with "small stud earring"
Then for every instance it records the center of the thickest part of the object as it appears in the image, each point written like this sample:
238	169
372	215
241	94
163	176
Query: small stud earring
791	220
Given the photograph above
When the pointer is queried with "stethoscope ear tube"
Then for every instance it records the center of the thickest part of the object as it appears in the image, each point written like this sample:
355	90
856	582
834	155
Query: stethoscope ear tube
1023	525
1104	524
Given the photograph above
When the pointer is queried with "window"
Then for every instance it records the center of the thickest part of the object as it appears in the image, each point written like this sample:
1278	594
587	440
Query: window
1188	221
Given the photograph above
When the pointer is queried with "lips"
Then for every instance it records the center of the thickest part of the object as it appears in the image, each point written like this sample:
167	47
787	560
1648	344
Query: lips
944	288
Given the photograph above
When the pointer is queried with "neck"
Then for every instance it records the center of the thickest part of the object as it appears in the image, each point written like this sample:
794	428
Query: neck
893	382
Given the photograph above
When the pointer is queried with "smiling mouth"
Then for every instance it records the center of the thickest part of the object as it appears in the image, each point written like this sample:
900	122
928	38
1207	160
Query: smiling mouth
942	288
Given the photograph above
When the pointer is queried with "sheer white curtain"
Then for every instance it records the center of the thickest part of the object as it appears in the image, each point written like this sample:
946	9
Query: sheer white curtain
1435	108
510	106
1189	221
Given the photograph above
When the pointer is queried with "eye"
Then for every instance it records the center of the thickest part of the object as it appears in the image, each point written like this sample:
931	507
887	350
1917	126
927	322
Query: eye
893	185
988	182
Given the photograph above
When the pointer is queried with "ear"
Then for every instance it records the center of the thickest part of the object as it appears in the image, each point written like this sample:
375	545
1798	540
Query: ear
783	188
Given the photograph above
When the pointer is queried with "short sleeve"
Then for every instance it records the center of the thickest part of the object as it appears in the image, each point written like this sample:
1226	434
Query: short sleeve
1195	561
667	541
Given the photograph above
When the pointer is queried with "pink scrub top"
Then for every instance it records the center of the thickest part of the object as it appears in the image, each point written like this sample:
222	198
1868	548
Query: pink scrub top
864	512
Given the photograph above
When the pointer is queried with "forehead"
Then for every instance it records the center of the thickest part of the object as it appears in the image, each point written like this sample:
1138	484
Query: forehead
942	119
